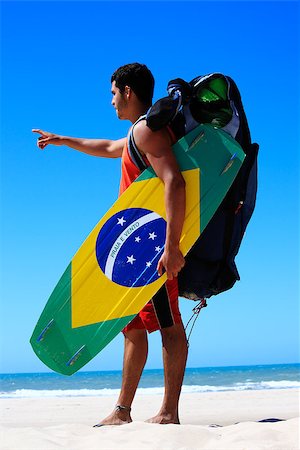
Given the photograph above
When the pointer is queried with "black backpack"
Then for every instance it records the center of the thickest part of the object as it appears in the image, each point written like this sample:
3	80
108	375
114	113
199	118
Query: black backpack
210	265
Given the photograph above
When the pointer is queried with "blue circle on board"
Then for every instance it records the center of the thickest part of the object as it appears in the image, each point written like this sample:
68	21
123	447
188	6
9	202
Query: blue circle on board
129	246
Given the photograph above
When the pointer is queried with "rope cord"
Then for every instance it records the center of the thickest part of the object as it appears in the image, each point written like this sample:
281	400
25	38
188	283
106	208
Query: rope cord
195	315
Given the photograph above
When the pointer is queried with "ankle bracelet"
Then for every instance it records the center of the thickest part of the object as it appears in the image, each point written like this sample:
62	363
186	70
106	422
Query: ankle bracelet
123	408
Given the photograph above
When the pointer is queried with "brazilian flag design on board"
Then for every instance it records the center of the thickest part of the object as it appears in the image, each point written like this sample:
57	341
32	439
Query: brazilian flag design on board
113	274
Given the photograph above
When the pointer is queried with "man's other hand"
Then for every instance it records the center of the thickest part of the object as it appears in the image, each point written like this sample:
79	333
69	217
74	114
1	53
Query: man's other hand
172	261
47	138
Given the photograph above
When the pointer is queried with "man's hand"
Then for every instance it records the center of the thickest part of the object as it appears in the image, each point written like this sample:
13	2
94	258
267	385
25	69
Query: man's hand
47	138
106	148
172	261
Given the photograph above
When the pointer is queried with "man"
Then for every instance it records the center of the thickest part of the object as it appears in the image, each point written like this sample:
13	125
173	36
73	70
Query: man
132	91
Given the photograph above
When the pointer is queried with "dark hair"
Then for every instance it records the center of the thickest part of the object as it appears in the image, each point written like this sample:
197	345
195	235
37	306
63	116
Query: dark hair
139	78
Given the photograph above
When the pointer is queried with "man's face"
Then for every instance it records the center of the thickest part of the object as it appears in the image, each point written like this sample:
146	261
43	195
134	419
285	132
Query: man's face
119	102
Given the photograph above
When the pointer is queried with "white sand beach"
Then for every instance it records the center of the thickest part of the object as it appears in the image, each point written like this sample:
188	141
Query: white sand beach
66	423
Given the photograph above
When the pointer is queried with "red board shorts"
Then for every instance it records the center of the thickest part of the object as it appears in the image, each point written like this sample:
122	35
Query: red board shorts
161	311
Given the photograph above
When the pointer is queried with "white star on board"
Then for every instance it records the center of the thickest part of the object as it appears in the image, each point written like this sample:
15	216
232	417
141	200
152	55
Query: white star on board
137	239
121	221
152	236
130	259
157	249
148	264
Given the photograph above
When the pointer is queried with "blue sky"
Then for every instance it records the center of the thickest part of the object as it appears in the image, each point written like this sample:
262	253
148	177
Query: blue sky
57	59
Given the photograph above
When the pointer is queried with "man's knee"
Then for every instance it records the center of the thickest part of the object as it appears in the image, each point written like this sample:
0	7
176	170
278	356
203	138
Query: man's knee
135	335
174	334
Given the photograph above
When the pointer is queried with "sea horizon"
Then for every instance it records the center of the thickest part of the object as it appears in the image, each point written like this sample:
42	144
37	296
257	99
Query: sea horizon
49	371
108	382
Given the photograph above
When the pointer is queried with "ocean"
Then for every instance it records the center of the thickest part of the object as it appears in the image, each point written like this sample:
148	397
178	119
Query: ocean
207	379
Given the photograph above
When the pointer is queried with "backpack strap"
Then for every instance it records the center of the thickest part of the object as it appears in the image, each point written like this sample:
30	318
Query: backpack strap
134	152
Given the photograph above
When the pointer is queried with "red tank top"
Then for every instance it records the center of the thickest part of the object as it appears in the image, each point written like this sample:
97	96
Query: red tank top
129	170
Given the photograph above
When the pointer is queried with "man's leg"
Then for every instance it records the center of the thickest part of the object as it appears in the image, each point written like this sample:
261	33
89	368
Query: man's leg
174	358
135	356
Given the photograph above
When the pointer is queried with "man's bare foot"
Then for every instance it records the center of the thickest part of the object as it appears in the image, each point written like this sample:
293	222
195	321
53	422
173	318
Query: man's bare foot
164	419
119	416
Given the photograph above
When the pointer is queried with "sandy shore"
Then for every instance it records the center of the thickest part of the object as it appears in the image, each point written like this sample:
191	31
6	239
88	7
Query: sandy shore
66	423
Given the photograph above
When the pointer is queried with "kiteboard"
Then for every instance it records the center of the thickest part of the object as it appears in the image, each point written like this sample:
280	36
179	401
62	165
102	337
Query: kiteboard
113	274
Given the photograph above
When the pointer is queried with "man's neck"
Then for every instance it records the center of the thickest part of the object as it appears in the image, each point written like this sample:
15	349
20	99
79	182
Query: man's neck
137	112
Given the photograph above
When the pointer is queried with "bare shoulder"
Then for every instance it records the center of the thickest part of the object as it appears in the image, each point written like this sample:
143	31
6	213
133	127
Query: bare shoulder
149	141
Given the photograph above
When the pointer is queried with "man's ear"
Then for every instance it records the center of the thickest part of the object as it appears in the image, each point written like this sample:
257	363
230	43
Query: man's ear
127	92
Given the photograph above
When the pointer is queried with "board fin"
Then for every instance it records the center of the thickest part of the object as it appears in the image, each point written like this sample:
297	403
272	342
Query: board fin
76	355
44	331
